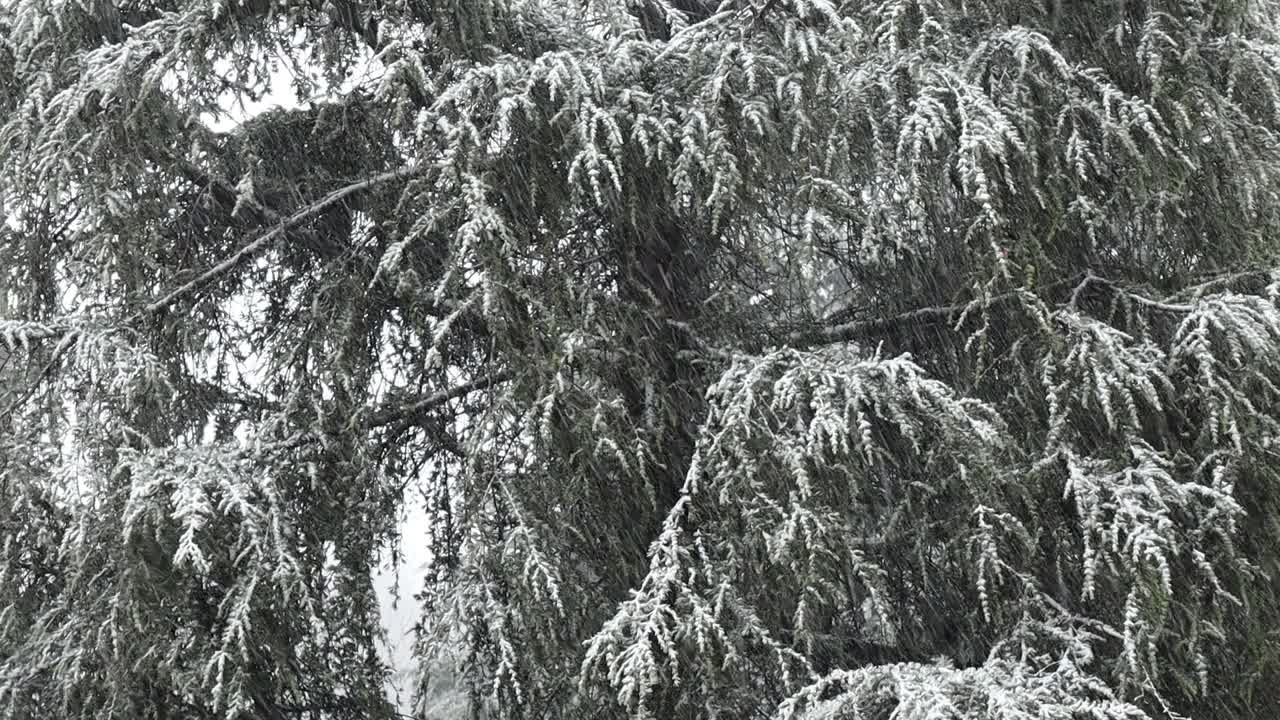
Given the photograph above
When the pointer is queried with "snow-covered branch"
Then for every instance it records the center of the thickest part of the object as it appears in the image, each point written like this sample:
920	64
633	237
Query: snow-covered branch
264	241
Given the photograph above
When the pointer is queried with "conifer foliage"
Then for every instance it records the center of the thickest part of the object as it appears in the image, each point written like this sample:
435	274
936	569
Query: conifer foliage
795	359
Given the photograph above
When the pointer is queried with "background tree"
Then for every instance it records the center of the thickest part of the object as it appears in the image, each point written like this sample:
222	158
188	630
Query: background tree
774	359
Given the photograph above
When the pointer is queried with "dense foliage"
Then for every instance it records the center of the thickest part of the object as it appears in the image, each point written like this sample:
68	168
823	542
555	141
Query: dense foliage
782	358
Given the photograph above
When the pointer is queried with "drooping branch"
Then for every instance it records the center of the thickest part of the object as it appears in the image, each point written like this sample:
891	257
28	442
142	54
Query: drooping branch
928	316
951	314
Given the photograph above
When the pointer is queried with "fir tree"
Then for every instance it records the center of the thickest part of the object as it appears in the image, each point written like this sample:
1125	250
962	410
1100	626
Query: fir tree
770	359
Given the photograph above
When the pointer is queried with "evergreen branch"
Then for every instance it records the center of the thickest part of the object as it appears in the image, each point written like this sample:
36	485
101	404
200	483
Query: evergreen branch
402	412
18	334
224	192
859	329
387	416
64	345
1228	281
1091	279
69	337
948	314
251	250
216	394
